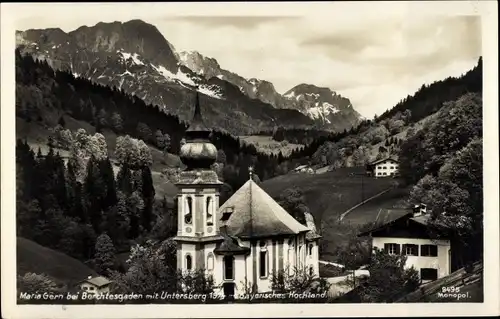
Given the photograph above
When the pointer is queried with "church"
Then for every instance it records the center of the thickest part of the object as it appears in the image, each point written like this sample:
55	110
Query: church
244	241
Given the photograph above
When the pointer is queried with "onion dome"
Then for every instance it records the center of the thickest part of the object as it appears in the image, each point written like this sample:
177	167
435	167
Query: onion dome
198	152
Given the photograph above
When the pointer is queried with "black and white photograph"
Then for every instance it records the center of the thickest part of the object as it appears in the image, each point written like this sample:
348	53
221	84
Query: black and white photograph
250	154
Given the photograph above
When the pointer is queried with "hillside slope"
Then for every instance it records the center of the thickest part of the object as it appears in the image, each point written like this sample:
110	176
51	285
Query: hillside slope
327	196
32	257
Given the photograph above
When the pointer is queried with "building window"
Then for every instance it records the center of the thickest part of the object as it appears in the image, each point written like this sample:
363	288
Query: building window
210	262
311	270
310	249
384	173
189	262
263	260
410	249
91	288
210	219
228	267
378	174
392	249
428	274
85	288
263	264
428	250
188	218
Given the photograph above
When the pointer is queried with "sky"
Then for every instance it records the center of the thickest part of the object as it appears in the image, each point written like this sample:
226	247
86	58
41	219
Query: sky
373	56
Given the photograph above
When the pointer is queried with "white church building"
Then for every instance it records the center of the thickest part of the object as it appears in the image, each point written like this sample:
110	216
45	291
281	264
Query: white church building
241	243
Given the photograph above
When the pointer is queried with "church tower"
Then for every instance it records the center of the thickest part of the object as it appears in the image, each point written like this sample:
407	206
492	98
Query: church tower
198	199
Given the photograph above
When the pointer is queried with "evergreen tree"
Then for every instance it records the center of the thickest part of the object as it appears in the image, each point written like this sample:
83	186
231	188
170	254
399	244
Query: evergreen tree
148	195
104	259
61	121
94	189
124	179
107	174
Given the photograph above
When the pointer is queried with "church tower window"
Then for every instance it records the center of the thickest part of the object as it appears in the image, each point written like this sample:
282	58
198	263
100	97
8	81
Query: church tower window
209	209
188	218
189	262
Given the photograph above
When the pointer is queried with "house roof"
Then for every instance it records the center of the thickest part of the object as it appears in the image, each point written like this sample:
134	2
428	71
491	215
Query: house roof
383	159
419	219
97	281
389	219
256	214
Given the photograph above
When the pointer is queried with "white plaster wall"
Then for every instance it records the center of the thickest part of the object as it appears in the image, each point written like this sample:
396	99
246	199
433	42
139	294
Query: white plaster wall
217	269
441	262
239	274
313	259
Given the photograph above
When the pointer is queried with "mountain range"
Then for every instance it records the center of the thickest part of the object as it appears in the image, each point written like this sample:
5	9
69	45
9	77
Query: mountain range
136	58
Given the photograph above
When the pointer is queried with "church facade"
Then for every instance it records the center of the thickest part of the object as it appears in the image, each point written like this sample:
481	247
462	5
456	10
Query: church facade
244	241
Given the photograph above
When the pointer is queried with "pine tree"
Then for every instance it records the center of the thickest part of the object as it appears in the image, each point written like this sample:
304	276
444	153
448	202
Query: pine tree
124	179
107	174
148	195
61	121
94	189
104	259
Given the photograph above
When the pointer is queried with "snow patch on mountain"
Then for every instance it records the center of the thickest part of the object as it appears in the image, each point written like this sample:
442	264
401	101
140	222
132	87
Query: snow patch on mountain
179	76
322	111
210	90
134	56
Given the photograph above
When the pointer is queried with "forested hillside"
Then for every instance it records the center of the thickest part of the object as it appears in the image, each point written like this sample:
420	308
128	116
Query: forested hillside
382	137
444	162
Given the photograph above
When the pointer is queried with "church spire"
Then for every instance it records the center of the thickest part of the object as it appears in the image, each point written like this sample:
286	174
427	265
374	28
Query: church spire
197	127
198	152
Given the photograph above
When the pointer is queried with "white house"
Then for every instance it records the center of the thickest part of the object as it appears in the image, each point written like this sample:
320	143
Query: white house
95	285
245	240
384	167
411	235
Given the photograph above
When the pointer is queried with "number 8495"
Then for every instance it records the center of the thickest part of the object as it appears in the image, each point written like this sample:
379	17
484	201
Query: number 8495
450	289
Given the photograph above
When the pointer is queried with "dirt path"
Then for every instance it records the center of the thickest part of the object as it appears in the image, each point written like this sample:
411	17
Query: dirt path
363	202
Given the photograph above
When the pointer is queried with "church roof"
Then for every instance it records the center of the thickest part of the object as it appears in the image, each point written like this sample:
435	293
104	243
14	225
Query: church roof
229	245
256	214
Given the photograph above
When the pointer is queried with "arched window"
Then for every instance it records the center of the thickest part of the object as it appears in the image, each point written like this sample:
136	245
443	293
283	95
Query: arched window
189	262
209	209
188	218
210	262
311	270
310	249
